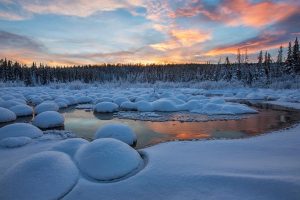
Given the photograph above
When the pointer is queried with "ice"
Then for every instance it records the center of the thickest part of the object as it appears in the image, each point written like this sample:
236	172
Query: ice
106	107
49	119
107	159
120	132
12	142
69	146
46	106
19	130
46	175
6	115
22	110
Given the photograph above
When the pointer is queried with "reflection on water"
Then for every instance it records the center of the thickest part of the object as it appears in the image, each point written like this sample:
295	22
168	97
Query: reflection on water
85	123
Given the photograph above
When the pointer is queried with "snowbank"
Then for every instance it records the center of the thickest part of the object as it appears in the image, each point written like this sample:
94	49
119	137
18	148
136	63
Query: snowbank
19	130
69	146
49	119
6	115
117	131
107	159
46	175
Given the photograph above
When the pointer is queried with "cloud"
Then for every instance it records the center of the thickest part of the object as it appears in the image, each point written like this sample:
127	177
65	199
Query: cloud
241	12
182	38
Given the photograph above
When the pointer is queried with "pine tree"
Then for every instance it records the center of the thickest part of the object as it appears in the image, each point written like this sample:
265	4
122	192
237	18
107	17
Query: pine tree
280	55
260	58
296	56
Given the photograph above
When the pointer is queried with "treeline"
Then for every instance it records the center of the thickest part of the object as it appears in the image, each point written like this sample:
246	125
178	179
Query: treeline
264	70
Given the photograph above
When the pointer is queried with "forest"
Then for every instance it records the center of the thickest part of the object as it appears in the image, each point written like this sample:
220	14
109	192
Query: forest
266	70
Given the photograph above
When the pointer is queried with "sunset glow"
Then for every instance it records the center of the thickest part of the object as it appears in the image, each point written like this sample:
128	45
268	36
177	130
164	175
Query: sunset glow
60	32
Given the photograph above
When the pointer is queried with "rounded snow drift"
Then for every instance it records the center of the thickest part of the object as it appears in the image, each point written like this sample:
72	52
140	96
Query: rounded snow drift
6	115
22	110
69	146
117	131
12	142
46	107
46	175
107	159
164	105
20	130
106	107
49	119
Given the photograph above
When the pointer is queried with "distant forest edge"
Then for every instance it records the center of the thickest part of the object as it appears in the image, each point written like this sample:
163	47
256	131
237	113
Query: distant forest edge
265	71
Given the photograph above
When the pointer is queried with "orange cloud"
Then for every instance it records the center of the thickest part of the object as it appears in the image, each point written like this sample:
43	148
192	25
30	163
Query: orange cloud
182	38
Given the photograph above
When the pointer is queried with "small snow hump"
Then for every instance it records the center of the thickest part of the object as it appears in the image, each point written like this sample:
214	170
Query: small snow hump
6	115
106	107
46	175
117	131
20	130
49	119
107	159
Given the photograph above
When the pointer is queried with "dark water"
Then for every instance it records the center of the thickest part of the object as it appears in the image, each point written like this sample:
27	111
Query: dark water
85	123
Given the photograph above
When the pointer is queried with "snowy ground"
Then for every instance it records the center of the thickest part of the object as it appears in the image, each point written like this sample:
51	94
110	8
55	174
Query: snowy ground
263	167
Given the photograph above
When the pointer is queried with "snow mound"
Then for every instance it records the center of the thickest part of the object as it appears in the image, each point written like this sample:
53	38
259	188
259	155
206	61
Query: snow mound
22	110
164	105
12	142
46	175
49	106
128	106
6	115
144	106
19	130
117	131
49	119
120	100
84	99
107	159
106	107
69	146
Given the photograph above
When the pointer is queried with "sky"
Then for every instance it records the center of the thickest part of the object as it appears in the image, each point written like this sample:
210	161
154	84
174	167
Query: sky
69	32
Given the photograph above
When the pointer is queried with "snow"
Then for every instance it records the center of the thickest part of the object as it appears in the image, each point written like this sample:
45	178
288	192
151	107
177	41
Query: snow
164	105
128	106
69	146
107	159
12	142
46	175
22	110
84	99
19	130
144	106
6	115
49	119
48	106
106	107
120	132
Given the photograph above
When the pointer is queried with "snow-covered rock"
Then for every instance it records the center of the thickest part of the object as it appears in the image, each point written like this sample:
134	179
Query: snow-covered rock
107	159
117	131
19	130
84	99
69	146
12	142
6	115
49	119
22	110
106	107
48	106
46	175
128	106
120	100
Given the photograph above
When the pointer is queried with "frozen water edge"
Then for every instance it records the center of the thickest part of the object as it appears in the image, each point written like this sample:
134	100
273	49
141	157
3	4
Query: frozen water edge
175	116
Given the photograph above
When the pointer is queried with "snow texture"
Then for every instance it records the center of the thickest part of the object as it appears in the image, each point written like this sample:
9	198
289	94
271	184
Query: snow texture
48	106
107	159
69	146
49	119
20	130
120	132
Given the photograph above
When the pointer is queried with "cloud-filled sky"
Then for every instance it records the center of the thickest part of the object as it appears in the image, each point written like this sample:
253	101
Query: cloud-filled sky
143	31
